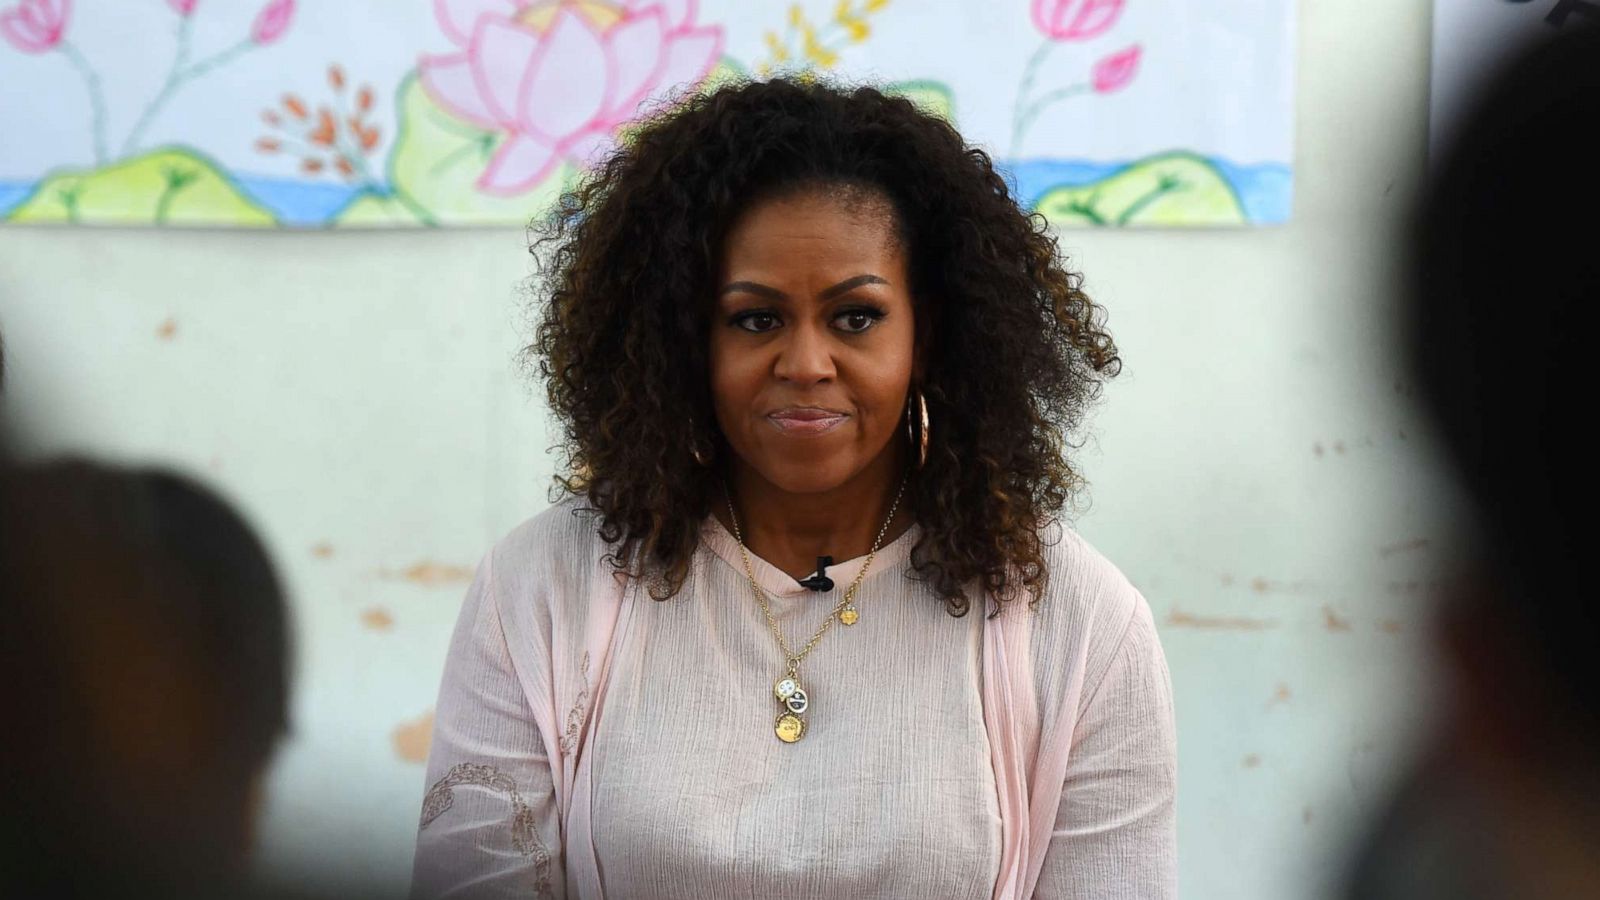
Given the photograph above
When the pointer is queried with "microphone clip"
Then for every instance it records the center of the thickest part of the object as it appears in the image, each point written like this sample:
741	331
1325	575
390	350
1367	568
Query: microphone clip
819	581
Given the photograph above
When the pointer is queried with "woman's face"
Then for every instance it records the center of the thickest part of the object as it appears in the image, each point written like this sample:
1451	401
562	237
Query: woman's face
813	311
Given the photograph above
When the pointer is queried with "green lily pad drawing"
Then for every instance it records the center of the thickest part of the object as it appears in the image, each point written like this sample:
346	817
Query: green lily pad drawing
1178	188
163	187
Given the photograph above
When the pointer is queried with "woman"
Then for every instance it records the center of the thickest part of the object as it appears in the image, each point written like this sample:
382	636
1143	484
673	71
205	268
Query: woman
789	321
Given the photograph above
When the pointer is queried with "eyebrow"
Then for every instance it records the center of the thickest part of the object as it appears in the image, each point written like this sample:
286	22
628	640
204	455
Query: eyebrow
773	293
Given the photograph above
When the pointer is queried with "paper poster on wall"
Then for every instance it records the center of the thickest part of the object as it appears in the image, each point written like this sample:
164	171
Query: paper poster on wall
1472	37
361	113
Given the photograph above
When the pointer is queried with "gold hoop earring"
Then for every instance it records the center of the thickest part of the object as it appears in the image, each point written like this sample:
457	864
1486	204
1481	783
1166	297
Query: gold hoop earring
916	440
700	456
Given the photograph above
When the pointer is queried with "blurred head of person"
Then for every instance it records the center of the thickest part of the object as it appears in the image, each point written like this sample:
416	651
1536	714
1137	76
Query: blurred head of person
145	657
1504	276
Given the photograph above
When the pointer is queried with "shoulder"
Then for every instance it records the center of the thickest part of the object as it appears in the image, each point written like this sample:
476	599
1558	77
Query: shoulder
1086	591
547	561
1085	616
559	532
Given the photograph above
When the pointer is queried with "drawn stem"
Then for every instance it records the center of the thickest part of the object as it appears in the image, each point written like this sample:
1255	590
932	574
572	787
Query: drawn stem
454	155
1029	73
359	163
1087	210
168	87
179	76
205	66
1038	106
416	209
97	100
299	144
164	205
69	199
1163	187
826	32
175	183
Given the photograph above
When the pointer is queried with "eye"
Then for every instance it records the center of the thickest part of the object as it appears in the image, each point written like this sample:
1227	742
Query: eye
861	318
758	315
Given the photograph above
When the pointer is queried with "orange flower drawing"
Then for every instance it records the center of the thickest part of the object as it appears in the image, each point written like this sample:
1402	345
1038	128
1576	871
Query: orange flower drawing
333	137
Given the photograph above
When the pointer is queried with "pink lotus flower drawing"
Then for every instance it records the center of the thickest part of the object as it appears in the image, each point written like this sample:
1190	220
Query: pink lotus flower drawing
557	80
35	26
272	21
183	8
1075	20
1115	71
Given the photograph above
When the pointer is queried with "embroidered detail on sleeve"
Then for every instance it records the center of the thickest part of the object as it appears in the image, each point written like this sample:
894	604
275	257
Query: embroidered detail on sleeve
569	740
524	836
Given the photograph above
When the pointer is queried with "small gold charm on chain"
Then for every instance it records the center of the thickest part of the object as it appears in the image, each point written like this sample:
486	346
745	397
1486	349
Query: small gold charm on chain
790	727
785	687
792	697
848	615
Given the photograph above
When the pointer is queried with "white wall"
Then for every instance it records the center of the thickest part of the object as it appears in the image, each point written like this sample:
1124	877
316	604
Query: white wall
355	394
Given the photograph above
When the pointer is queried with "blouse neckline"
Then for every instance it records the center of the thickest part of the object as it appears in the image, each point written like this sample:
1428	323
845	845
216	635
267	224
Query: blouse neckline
779	583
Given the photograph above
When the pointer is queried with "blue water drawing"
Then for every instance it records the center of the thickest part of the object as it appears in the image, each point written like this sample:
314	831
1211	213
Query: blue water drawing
299	204
12	193
1265	189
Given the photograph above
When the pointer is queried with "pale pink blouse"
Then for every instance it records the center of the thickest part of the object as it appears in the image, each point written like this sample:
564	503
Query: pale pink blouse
590	741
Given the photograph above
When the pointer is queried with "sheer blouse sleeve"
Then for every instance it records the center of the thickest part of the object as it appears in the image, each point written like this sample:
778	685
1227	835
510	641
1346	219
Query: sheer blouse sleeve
489	825
1115	834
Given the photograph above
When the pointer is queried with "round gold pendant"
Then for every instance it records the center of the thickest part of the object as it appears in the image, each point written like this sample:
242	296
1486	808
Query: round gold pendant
790	727
848	615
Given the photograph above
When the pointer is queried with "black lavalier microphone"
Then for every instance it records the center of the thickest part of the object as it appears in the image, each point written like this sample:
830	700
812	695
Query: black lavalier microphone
819	581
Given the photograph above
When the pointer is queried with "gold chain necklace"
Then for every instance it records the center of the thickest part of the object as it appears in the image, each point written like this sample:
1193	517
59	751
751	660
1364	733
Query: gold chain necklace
793	699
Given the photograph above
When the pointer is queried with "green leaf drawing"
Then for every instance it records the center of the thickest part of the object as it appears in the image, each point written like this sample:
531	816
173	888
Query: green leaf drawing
1178	188
172	186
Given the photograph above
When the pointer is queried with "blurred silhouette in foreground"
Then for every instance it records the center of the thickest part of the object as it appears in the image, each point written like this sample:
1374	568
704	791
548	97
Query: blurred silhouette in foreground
143	654
1504	275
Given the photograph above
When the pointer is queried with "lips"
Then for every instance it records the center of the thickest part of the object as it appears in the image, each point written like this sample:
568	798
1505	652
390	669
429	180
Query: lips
806	420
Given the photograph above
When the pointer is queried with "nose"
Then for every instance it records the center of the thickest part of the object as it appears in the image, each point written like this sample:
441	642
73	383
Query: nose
806	355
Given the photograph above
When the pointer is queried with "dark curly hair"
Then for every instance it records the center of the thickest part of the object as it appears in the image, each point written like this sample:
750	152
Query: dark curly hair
626	267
